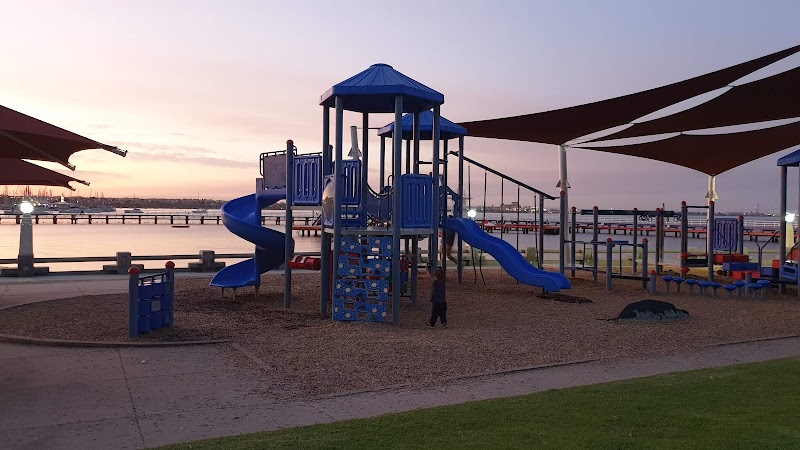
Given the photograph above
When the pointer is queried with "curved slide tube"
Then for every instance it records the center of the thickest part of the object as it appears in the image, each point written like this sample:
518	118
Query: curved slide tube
509	258
242	217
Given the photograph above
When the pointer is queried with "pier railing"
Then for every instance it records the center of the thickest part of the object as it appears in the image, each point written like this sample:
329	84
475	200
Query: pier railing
205	261
149	219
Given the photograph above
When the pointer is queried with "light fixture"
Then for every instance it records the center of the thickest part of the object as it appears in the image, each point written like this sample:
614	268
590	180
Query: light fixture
26	207
471	213
789	217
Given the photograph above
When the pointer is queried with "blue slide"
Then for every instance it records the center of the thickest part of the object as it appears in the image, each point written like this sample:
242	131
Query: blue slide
242	216
512	261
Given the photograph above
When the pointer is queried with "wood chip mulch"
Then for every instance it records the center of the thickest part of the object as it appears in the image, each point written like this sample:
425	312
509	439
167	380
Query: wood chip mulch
498	326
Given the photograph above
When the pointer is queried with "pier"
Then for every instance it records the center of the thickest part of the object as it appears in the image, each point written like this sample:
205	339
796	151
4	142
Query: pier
302	224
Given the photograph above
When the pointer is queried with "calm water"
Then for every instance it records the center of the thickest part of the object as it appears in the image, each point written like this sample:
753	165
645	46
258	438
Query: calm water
100	239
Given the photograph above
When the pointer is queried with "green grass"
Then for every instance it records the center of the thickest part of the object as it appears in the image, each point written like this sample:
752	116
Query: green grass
748	406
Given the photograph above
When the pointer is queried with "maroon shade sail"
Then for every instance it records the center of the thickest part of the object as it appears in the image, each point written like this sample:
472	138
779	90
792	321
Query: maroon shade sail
24	137
771	98
19	172
711	154
562	125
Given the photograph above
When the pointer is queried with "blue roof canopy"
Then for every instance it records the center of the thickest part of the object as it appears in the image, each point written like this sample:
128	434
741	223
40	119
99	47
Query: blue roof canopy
790	160
447	129
374	91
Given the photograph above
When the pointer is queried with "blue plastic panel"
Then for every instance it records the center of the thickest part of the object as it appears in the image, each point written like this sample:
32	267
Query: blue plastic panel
373	290
351	194
344	309
274	171
156	301
363	245
417	199
307	180
726	234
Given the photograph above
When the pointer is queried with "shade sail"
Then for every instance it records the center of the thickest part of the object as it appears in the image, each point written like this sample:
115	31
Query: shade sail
711	154
771	98
25	137
19	172
562	125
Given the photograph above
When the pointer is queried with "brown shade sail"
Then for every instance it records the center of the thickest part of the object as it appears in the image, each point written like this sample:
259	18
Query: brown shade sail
562	125
771	98
24	137
19	172
711	154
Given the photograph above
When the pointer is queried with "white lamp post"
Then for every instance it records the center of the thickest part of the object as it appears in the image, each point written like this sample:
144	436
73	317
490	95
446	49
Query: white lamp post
25	258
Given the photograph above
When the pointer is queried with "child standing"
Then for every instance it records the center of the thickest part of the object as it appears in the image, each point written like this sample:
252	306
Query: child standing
438	302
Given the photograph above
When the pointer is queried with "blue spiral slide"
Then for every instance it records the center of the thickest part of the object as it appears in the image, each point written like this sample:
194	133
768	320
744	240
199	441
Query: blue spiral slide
509	258
242	217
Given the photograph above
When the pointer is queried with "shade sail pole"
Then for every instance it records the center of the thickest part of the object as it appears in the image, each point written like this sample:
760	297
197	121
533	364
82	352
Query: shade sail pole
712	188
564	208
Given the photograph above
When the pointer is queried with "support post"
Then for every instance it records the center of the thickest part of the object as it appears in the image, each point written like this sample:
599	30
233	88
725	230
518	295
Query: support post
595	237
434	250
644	264
541	231
684	234
396	207
635	235
783	237
338	179
562	231
710	240
288	244
653	282
609	262
573	212
564	185
133	301
460	242
415	239
364	160
740	237
382	168
325	249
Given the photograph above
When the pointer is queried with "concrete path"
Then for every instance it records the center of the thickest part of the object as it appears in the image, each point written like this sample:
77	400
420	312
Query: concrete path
144	397
18	291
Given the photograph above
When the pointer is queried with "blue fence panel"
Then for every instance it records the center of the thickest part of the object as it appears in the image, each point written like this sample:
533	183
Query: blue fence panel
417	199
307	180
726	234
351	170
152	300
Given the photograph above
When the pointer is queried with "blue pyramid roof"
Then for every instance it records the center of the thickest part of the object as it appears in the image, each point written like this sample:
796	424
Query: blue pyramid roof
790	160
374	90
447	129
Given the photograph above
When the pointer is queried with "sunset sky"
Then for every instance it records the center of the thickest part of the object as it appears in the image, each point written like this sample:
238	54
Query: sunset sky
195	90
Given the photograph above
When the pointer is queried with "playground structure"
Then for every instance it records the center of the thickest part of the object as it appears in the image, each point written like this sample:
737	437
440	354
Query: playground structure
151	300
788	257
370	239
364	270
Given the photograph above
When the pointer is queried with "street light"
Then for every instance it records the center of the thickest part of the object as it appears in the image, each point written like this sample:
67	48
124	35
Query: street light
471	214
26	207
25	257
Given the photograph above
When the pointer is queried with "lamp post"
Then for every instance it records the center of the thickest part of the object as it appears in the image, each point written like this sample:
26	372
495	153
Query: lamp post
25	257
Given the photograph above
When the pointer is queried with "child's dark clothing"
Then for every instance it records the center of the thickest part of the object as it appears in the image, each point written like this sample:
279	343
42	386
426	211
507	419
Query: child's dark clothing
439	304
